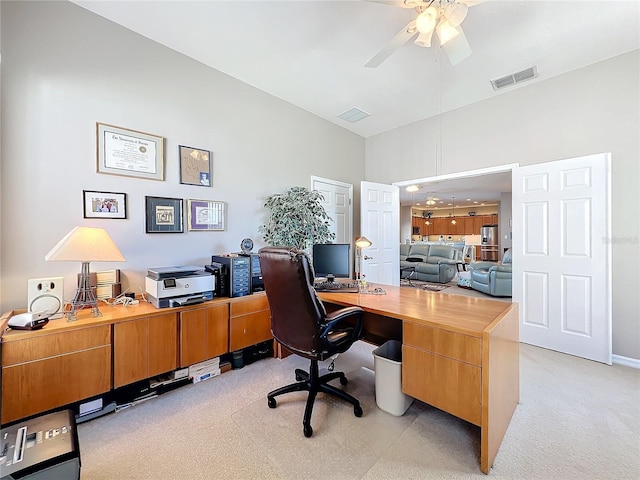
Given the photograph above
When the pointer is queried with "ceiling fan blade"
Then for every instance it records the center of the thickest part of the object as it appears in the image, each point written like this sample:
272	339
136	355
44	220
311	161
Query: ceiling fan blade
472	3
402	37
457	48
396	3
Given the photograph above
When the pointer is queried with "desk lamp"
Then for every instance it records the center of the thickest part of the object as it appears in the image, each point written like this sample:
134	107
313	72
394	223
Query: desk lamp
85	244
361	242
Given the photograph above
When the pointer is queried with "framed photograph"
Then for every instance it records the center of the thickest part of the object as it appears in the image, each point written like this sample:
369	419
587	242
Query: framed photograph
130	153
104	204
195	166
205	215
164	215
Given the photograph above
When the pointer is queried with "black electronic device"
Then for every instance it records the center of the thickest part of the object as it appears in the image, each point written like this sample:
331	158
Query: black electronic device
221	275
257	284
331	259
236	274
338	287
41	448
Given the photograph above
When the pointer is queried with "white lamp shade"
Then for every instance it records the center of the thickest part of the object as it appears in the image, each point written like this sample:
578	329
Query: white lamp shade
363	242
85	244
424	39
426	21
446	32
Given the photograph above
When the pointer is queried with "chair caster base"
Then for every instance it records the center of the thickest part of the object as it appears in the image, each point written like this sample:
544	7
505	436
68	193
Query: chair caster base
308	431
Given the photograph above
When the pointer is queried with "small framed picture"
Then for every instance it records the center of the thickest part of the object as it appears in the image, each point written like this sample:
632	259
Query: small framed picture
205	215
131	153
195	166
164	215
104	204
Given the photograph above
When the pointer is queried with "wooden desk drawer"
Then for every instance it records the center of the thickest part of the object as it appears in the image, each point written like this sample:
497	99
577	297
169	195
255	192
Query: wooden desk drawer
45	346
250	304
38	386
248	330
443	342
447	384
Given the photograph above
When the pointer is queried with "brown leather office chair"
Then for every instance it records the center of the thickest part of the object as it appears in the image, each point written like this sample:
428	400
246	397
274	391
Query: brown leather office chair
300	323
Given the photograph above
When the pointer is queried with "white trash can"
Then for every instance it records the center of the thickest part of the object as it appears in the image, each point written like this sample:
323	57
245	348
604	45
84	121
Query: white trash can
387	362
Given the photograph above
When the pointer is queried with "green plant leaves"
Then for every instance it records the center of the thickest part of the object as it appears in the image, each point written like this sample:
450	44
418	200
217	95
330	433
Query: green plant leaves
296	219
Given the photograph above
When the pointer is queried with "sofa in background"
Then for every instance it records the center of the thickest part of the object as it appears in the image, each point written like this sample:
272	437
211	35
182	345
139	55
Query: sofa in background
491	278
432	262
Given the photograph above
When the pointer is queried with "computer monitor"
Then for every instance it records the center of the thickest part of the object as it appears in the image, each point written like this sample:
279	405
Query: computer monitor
331	259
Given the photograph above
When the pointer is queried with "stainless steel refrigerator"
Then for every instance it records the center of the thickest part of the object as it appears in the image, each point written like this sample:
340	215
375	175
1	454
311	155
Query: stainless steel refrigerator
489	243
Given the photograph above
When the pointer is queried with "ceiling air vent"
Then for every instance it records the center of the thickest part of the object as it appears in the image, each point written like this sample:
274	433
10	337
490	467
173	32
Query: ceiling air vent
512	79
353	115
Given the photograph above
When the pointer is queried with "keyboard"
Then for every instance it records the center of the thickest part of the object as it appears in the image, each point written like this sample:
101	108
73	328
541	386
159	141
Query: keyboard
342	287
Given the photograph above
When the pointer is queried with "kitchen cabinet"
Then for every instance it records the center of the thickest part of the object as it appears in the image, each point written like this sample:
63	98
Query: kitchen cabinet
417	224
144	348
204	333
469	226
465	225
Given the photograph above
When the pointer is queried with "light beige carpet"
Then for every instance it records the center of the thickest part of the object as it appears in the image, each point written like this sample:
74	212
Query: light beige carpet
576	420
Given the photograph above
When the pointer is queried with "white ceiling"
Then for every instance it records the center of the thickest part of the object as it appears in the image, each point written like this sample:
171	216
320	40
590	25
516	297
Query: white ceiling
312	53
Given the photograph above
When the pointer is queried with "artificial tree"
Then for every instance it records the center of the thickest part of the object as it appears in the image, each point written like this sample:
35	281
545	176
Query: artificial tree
296	219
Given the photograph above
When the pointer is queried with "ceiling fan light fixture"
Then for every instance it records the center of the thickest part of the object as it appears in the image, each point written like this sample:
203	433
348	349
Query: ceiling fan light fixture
424	39
455	13
446	32
426	21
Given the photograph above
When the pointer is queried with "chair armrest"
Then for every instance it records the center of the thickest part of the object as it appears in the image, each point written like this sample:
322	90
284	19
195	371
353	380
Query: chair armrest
447	261
501	268
481	265
335	318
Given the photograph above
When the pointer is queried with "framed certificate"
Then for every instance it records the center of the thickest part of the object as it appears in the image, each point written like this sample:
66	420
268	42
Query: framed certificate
164	215
205	215
130	153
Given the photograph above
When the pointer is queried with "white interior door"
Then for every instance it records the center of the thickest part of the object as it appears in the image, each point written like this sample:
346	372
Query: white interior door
561	256
380	223
338	204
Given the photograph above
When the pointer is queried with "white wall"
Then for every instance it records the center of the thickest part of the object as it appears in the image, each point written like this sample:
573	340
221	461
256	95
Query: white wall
63	70
504	221
591	110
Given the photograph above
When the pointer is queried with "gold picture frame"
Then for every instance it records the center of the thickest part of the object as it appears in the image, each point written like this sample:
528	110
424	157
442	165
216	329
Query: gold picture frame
130	153
205	215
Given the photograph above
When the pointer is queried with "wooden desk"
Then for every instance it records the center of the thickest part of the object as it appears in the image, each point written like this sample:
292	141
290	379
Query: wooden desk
459	354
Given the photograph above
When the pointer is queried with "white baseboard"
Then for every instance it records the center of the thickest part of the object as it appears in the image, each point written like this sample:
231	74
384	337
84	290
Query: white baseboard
626	361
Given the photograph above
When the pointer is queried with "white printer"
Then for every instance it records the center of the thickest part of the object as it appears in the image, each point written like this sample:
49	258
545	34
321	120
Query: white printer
178	286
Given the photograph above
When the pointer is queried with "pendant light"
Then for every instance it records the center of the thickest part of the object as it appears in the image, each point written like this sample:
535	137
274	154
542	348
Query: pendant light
453	206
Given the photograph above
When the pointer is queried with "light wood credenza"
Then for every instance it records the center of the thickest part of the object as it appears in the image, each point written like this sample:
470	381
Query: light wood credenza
459	354
67	362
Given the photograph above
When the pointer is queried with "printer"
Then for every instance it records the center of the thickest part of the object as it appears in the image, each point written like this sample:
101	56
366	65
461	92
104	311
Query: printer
178	286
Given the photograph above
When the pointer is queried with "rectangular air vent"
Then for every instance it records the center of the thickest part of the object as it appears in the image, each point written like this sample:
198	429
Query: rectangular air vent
512	79
353	115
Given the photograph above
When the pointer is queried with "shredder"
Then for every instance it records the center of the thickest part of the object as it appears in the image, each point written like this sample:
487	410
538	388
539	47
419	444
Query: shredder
42	448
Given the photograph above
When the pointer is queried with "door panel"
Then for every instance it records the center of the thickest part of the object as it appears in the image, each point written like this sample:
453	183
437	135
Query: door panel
339	206
562	271
380	223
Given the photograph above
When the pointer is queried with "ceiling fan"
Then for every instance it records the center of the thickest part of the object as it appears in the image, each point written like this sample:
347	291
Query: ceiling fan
444	17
